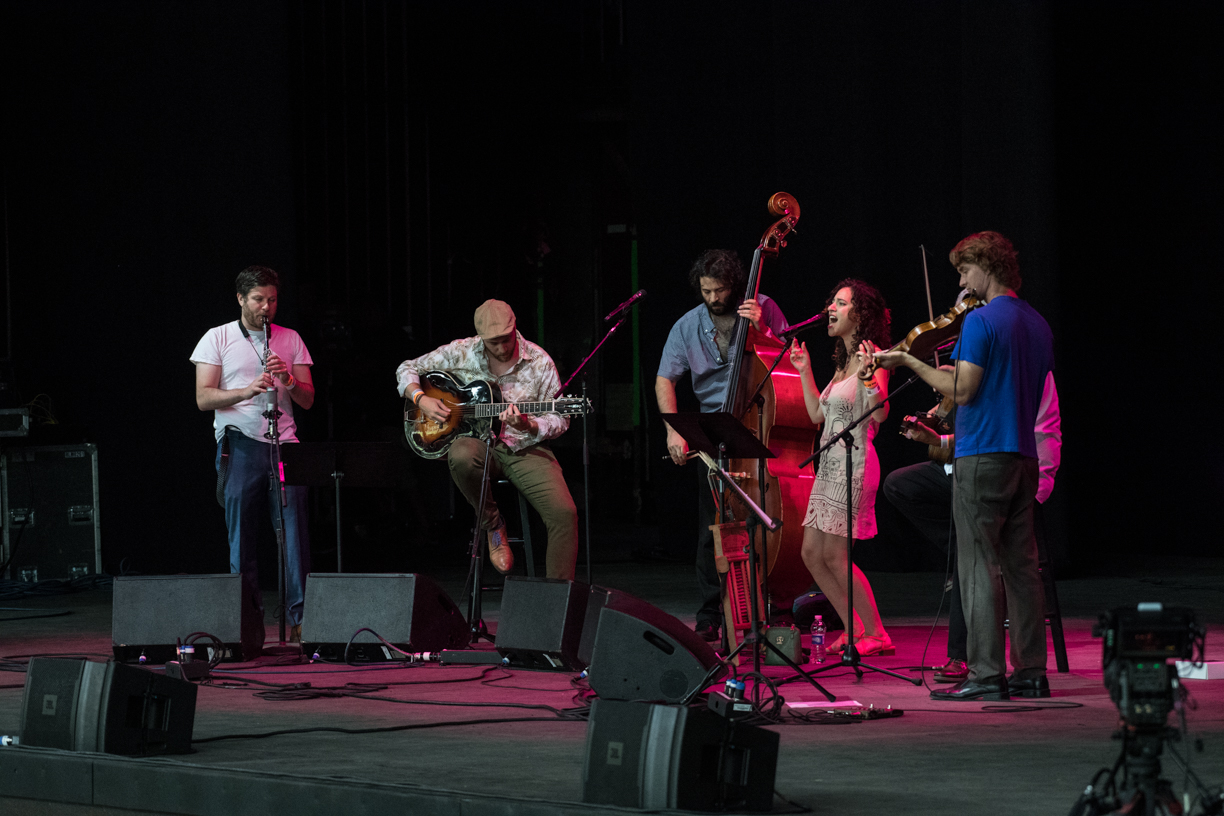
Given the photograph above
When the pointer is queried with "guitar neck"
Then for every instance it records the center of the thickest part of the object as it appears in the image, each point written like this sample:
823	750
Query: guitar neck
484	410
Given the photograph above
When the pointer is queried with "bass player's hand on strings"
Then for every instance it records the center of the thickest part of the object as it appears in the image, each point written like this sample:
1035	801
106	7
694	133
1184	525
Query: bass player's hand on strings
751	309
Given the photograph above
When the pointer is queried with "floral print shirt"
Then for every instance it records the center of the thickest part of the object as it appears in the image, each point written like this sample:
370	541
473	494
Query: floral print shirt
533	378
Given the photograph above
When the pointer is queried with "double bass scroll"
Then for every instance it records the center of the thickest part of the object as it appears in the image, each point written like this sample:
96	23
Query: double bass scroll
774	239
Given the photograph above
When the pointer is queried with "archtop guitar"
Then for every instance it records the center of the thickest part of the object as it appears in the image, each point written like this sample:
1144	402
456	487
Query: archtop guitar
475	408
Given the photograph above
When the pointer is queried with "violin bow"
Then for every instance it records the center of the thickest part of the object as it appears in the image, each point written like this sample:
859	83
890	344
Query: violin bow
926	276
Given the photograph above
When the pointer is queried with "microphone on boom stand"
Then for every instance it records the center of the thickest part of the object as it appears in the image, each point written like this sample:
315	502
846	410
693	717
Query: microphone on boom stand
634	298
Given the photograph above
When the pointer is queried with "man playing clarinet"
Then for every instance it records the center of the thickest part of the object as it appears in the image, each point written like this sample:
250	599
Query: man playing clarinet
238	366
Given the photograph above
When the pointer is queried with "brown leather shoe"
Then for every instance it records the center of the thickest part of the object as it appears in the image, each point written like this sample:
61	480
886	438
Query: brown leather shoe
295	633
499	550
954	672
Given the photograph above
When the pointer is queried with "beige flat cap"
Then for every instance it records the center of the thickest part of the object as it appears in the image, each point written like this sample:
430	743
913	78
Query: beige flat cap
494	318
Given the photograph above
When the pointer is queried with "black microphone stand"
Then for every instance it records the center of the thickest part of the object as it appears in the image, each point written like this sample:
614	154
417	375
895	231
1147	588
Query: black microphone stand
276	483
623	310
475	578
850	656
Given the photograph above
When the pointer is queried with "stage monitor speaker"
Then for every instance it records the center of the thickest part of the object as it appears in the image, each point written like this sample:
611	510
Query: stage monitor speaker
79	705
643	653
409	611
152	613
596	601
542	623
659	757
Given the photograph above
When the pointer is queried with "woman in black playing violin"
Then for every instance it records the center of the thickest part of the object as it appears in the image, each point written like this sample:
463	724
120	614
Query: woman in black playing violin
859	320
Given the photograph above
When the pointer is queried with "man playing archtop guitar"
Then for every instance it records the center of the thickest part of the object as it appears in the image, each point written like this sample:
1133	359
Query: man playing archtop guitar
524	373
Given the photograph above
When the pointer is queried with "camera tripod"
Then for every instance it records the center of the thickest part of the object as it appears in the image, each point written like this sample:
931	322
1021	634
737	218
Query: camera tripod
1142	790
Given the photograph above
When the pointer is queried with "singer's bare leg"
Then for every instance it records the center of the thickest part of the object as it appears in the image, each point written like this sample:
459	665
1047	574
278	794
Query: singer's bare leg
825	557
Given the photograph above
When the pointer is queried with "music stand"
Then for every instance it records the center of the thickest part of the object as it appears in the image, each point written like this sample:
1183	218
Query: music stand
722	435
357	464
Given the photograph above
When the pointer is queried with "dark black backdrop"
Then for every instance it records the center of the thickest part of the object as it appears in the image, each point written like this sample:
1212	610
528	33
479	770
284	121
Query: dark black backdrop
398	164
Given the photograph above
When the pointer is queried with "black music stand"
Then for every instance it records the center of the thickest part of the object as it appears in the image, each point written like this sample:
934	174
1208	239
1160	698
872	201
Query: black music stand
722	435
357	464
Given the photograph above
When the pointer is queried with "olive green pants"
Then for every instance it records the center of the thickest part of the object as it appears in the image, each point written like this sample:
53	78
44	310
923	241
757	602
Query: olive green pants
534	472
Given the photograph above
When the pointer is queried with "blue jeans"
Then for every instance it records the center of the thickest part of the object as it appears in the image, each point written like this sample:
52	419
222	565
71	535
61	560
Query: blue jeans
248	491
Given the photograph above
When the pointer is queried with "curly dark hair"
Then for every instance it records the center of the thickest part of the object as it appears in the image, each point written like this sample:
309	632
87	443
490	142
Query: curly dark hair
994	253
722	265
874	318
255	276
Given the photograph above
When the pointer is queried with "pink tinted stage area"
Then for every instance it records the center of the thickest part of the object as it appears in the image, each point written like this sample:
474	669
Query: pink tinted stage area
281	735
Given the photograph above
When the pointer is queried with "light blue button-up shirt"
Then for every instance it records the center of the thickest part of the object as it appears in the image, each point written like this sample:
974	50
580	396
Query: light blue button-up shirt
692	347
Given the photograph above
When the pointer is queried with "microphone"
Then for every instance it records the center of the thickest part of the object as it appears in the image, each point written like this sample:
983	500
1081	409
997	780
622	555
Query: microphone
796	329
638	295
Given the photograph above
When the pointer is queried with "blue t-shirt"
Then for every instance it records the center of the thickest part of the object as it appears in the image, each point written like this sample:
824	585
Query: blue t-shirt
691	346
1015	348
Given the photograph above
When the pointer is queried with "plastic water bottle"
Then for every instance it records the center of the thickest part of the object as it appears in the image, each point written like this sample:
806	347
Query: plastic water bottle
818	640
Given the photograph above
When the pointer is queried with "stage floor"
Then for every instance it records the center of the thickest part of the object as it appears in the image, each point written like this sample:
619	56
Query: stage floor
1023	757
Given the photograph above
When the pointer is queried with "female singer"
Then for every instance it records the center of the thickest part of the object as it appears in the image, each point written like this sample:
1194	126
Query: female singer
859	321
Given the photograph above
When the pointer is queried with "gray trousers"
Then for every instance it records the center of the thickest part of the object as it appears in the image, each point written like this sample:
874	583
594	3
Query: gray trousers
992	505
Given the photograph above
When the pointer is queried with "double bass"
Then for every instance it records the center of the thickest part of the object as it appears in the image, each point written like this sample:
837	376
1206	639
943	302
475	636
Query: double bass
779	419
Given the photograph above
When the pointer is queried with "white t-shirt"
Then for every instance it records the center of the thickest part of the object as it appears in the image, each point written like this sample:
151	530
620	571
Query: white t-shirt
241	361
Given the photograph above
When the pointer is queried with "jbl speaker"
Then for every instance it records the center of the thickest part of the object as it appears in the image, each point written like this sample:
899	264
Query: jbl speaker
647	756
152	613
409	611
78	705
643	653
542	623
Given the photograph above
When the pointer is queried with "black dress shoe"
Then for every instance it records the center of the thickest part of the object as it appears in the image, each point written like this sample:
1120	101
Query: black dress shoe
954	672
974	690
706	630
1033	687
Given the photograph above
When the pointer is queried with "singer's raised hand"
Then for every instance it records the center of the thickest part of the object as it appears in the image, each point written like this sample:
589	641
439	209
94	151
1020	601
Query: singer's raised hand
800	358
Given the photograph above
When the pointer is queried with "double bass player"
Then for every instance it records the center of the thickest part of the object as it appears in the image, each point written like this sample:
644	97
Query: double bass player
698	345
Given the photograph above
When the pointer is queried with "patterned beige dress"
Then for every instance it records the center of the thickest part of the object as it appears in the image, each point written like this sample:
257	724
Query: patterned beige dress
841	402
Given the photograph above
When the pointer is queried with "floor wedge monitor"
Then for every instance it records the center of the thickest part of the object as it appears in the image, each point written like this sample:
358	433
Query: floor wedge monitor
408	611
542	623
643	653
153	613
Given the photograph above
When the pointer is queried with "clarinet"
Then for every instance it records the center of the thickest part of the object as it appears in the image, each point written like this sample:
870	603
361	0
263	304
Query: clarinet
270	409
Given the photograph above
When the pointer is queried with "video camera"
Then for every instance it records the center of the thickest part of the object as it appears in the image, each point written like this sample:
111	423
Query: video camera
1139	645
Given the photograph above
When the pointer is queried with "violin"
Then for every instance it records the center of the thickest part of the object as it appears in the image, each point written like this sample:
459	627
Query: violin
926	338
935	421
